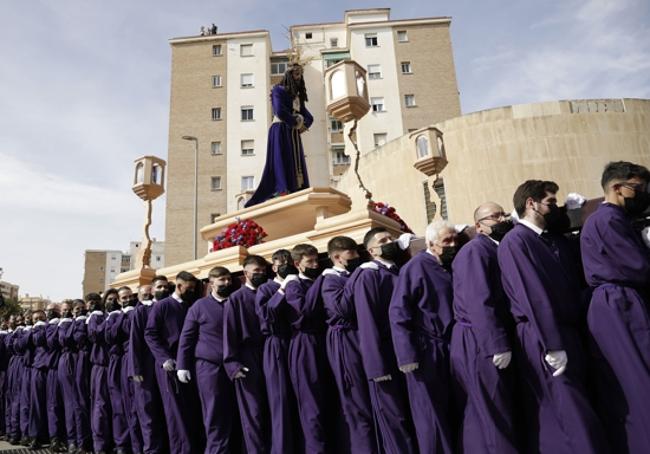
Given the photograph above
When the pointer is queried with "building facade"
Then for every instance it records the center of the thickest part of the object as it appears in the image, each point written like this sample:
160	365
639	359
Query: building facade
220	87
8	290
33	303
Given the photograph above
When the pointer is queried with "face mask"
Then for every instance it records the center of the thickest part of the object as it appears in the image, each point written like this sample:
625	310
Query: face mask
146	297
161	295
67	314
353	264
83	311
224	291
557	220
51	314
499	230
312	273
94	307
188	297
110	306
390	251
636	205
448	254
133	301
286	269
258	279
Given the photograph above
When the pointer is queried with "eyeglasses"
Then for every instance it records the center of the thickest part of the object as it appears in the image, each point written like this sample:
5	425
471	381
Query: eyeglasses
495	216
634	187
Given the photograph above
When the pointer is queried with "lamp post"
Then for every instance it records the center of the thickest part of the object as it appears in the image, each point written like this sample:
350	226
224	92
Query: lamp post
196	189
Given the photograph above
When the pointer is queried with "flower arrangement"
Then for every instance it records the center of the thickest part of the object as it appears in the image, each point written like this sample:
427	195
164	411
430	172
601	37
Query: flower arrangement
389	211
240	233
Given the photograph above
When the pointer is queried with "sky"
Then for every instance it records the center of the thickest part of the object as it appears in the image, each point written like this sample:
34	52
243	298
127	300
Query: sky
84	90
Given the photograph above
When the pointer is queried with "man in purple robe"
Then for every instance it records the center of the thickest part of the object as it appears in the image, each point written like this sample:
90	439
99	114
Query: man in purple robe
66	375
243	350
545	303
82	370
142	371
15	373
271	310
480	349
342	346
38	431
285	170
162	335
307	359
421	319
200	356
100	400
54	399
617	268
372	285
5	358
24	343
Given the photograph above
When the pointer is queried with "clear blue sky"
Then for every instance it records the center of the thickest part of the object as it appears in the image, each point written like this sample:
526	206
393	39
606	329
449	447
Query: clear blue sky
84	89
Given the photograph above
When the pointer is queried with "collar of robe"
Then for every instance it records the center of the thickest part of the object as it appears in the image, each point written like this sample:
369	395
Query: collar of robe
385	263
177	297
148	302
54	321
302	276
127	309
531	226
64	320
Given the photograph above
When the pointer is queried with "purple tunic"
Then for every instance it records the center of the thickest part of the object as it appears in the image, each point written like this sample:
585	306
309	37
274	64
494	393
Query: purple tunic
243	347
484	392
179	399
38	429
147	395
14	378
67	377
82	382
617	267
285	170
343	352
421	318
127	387
54	399
271	308
545	303
114	336
200	350
100	400
371	293
24	343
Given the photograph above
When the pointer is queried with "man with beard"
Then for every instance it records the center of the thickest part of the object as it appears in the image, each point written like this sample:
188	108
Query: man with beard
142	371
480	345
546	305
200	351
243	352
617	267
421	318
162	334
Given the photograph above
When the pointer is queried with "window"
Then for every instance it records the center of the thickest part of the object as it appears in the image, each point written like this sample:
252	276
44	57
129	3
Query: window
247	80
247	113
215	183
371	40
216	113
247	147
402	36
308	35
406	67
334	42
377	104
422	144
409	100
213	217
246	50
216	81
216	50
278	68
247	183
335	125
215	148
374	71
339	158
380	139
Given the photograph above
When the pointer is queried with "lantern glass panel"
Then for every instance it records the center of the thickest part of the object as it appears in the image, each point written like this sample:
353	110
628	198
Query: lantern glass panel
337	83
139	173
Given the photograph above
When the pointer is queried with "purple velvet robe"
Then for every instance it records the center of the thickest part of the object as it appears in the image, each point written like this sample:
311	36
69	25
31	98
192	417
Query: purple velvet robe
285	170
82	383
5	358
147	395
344	354
38	429
25	344
244	347
179	399
100	400
546	305
271	310
371	293
421	318
484	393
114	337
67	377
54	397
129	403
617	267
13	385
200	350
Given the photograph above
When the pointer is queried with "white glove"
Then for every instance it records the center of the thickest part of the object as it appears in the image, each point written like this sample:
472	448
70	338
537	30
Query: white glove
241	373
382	378
558	360
404	240
645	236
184	376
169	365
138	378
39	323
502	360
96	313
410	367
369	266
574	201
289	278
54	321
300	121
127	309
81	317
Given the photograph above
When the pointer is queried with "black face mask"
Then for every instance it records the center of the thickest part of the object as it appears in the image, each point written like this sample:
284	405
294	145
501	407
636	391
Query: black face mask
353	264
66	314
499	230
312	273
51	315
634	206
448	255
258	279
224	291
557	220
94	306
110	307
188	297
83	311
286	269
391	251
133	301
161	295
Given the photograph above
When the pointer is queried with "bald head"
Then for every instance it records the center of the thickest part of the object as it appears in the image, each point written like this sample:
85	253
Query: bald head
486	209
487	215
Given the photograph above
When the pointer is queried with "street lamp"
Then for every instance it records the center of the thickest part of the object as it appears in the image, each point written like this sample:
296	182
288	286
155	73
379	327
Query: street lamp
196	187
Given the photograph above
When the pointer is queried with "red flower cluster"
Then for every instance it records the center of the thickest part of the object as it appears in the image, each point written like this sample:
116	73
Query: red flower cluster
389	211
241	233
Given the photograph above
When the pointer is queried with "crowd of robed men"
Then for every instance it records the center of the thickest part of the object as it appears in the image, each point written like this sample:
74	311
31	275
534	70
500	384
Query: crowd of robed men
523	339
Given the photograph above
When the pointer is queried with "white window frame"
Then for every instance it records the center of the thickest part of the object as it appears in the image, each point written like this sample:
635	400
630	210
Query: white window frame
215	48
404	34
378	135
249	149
336	125
214	187
246	109
376	74
246	46
215	148
406	67
217	81
412	98
247	178
277	64
242	77
378	104
339	158
371	39
216	110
